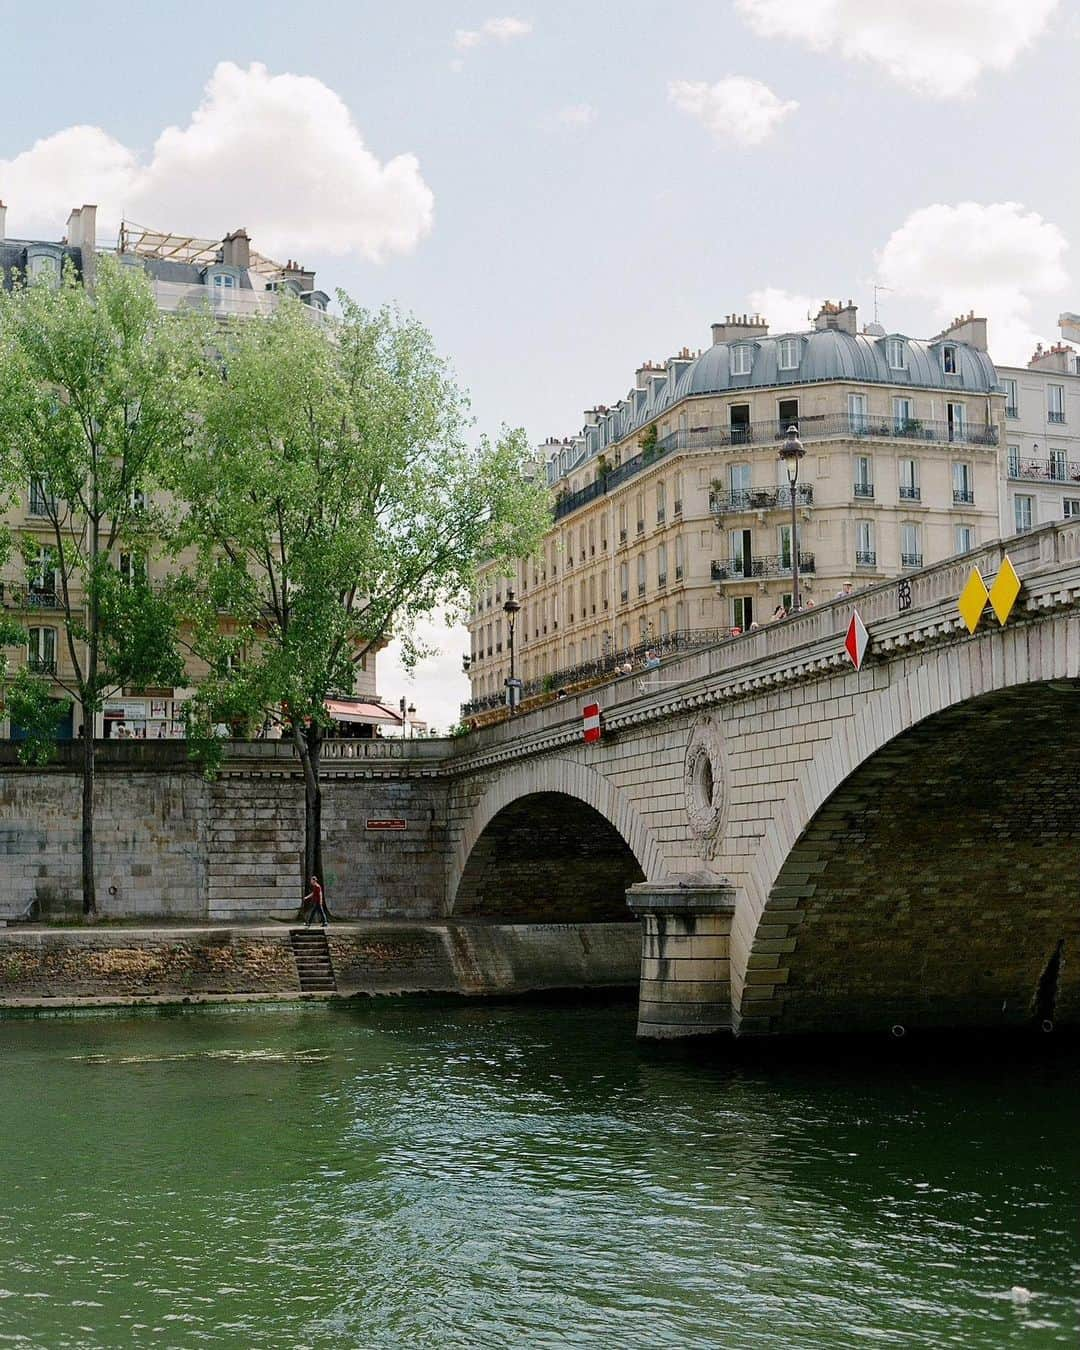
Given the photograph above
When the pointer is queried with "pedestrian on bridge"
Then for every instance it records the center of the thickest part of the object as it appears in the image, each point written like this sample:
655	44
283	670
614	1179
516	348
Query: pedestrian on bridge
317	901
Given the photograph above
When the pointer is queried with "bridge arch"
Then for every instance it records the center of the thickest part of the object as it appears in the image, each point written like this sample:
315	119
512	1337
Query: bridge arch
522	813
958	787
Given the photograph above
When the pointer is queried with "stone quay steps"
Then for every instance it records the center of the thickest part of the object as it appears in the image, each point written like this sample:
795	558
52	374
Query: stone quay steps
314	969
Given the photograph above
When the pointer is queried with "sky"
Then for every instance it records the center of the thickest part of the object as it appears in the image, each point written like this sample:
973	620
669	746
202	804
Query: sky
561	191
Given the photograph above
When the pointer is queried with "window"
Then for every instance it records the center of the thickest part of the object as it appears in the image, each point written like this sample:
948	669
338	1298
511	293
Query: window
624	637
1059	464
661	565
910	546
641	513
680	616
909	480
742	611
957	420
1014	461
742	359
1055	402
41	650
739	421
132	568
903	410
742	553
42	501
661	503
948	360
963	484
788	411
45	268
641	574
865	553
1012	408
856	407
1023	513
622	523
678	494
784	541
1072	507
680	557
864	476
42	575
224	281
624	583
664	626
965	538
789	353
897	353
739	485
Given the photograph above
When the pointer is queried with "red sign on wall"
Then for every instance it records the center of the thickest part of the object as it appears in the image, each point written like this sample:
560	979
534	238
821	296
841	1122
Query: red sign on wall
590	716
391	824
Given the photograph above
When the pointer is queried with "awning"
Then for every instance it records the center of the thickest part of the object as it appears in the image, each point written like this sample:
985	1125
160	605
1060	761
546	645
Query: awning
365	713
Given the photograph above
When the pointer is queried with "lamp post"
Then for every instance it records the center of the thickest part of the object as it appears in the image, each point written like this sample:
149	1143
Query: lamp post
511	609
791	452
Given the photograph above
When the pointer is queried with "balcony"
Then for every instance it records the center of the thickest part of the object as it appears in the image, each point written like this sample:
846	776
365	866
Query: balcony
865	558
1044	470
963	497
42	665
1058	417
864	489
1011	410
760	499
909	492
828	426
911	560
741	569
31	597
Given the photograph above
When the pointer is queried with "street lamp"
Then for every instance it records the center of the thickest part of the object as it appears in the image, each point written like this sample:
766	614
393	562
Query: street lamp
511	609
407	714
791	452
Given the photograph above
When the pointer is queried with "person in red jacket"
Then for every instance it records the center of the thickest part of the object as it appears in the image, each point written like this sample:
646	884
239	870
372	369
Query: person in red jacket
317	902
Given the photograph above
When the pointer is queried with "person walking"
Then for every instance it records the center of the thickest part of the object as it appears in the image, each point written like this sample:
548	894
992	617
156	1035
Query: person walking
317	902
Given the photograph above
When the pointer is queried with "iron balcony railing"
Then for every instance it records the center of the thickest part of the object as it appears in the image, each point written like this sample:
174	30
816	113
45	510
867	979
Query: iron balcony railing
963	497
1048	470
865	558
909	492
1011	410
864	489
42	665
827	426
911	560
686	639
759	499
16	596
1055	416
736	569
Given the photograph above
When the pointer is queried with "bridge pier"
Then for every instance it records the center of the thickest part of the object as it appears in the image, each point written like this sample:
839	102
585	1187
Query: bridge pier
685	956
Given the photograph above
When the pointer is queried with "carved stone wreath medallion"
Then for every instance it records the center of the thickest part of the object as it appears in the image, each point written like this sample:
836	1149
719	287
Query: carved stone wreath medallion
703	778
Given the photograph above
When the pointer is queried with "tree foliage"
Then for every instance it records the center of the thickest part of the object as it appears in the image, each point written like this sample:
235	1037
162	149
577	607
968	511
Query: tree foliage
332	499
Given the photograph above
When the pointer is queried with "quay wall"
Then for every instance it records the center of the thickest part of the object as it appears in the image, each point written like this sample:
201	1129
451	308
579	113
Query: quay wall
171	845
65	967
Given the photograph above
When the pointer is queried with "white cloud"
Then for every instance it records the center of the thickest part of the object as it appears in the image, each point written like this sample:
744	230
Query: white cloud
438	686
491	30
576	115
279	154
734	109
995	258
786	311
937	48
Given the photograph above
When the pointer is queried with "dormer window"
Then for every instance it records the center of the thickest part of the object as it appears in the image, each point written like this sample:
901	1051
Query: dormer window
948	360
897	352
225	280
742	359
43	264
789	354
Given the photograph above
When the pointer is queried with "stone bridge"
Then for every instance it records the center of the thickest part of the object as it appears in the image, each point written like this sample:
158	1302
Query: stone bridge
810	847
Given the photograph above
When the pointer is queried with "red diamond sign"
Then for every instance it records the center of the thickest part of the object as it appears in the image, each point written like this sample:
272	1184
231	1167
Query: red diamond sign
857	640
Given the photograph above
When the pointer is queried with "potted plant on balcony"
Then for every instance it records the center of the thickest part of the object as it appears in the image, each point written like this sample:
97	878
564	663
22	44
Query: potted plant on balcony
647	443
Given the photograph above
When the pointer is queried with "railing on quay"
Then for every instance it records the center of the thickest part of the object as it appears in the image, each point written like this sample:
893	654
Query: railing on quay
759	499
682	640
735	569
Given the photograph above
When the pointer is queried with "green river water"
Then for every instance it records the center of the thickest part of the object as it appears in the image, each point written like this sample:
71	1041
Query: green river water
412	1173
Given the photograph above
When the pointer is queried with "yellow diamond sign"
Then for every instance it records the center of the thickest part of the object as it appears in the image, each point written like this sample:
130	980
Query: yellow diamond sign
973	599
1005	589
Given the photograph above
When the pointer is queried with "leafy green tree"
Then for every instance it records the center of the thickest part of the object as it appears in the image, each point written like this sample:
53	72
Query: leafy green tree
96	394
332	500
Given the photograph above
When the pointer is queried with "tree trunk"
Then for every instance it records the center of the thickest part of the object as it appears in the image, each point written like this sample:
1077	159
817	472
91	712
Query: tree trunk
309	746
89	884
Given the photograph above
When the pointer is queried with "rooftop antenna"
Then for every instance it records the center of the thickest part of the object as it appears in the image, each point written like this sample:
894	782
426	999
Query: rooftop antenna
878	288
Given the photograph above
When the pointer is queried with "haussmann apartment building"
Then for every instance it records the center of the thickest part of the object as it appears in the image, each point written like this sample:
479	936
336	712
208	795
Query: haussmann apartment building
672	509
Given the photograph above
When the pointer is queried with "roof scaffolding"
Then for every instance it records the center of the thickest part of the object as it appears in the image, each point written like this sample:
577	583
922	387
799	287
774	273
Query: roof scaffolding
184	248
